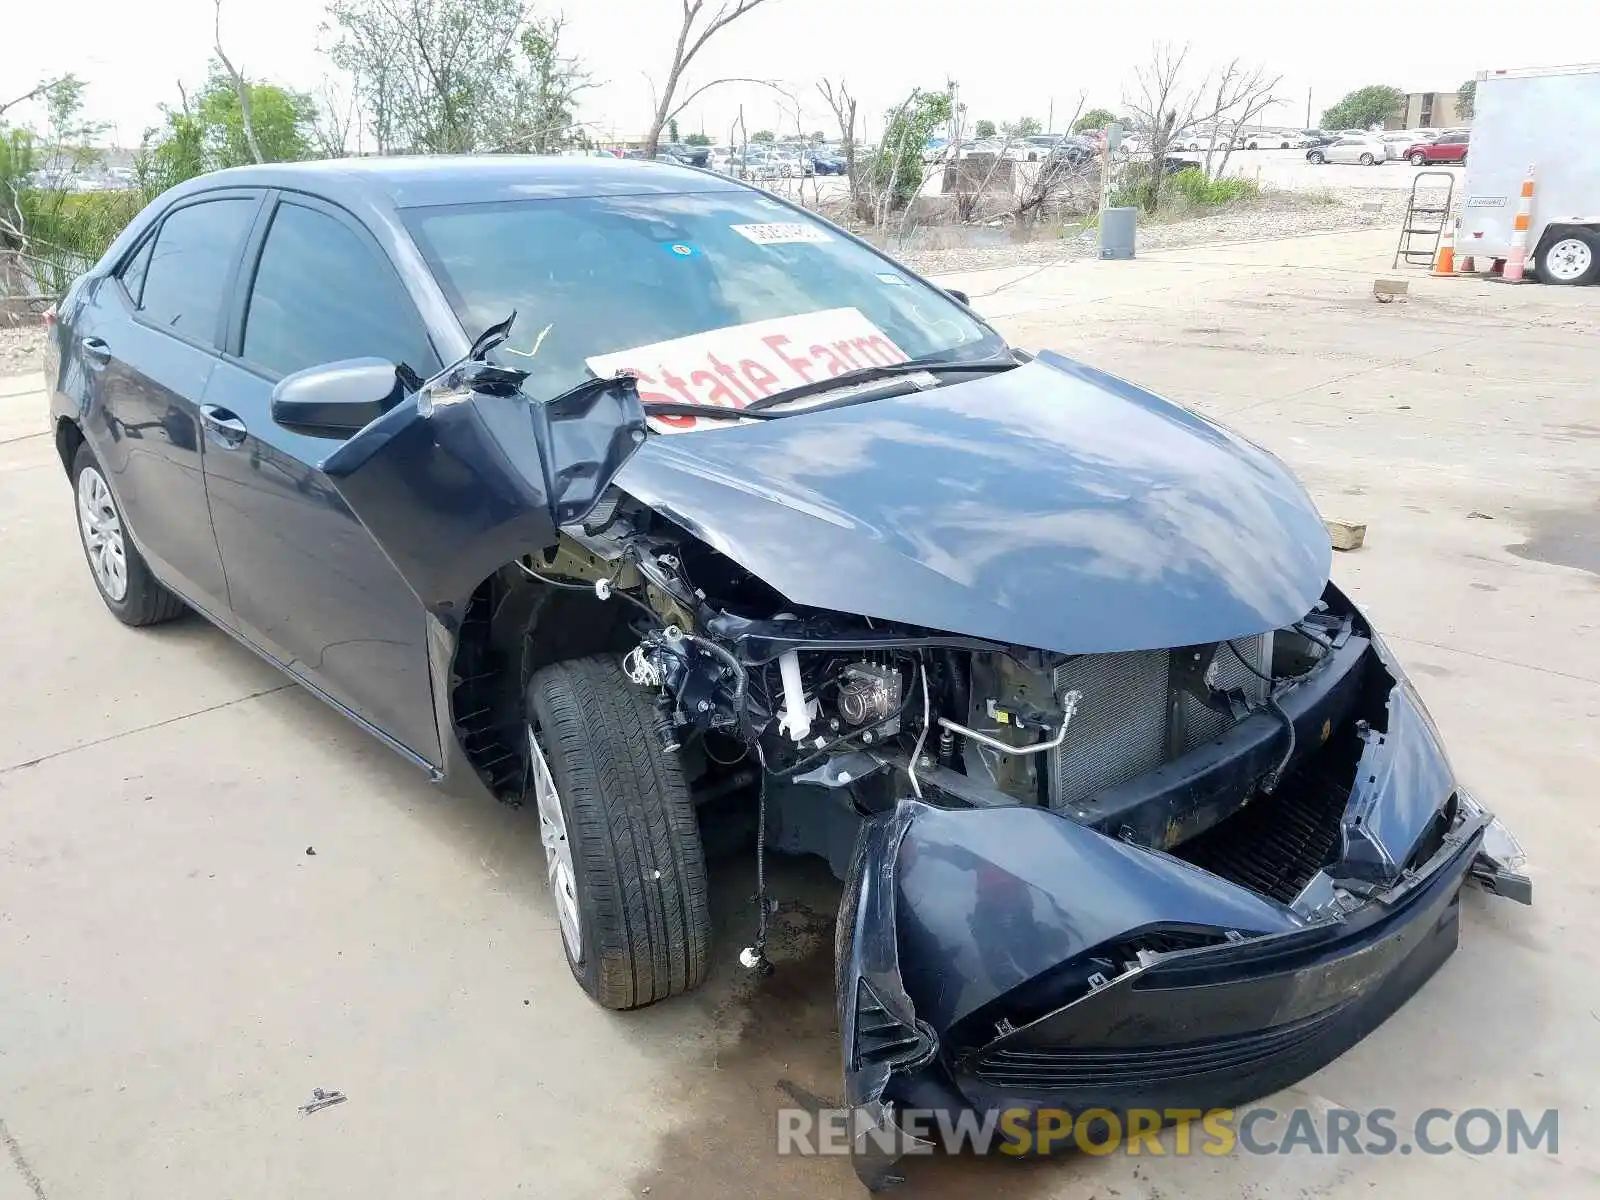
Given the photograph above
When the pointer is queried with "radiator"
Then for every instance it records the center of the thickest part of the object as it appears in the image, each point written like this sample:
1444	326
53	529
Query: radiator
1131	720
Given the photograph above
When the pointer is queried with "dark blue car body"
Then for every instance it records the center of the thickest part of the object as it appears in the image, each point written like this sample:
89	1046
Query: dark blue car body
1049	506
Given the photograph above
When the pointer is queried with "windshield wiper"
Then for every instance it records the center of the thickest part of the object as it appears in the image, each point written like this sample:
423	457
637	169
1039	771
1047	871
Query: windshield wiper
872	374
673	408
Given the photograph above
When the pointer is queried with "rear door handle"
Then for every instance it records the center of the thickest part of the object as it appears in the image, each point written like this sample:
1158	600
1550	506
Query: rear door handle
95	349
223	426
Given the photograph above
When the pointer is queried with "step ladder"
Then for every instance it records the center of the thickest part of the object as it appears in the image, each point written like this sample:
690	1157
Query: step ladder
1426	216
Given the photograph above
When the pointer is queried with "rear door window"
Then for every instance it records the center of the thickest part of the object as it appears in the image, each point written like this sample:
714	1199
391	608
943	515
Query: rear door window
322	293
186	280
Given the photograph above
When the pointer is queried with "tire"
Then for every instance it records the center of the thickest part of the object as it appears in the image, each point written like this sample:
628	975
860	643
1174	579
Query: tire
1572	259
1419	159
1316	158
1367	160
637	870
115	564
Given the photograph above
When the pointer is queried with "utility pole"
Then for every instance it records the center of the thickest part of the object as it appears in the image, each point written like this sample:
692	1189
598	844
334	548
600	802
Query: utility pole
1308	108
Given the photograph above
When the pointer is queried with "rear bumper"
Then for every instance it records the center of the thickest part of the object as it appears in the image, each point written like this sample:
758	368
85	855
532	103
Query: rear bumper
974	980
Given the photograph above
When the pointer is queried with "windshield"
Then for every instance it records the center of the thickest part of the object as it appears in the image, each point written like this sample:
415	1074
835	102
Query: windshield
758	294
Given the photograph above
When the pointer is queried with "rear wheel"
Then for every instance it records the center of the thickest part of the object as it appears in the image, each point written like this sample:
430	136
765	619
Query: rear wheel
120	574
1367	160
1572	258
621	840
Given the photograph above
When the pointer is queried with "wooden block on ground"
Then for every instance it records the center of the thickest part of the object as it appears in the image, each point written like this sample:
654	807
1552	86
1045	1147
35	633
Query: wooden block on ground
1345	535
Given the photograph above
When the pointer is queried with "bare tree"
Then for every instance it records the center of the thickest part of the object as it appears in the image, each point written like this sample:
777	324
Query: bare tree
843	105
240	85
1240	96
37	90
337	116
1066	168
690	42
1163	108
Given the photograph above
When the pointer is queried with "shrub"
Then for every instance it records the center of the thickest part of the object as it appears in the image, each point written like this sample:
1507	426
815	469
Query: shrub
1194	187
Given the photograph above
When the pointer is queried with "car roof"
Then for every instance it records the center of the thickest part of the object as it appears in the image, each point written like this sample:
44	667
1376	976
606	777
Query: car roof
423	180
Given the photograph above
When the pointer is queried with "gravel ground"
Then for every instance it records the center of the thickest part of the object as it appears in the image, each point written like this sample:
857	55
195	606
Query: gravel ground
1275	215
21	350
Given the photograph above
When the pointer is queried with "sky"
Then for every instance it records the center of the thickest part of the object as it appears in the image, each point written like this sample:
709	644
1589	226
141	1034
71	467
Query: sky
1011	58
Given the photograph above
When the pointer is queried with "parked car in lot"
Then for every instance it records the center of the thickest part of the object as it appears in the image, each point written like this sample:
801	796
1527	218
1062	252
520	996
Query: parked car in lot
1319	137
695	156
1449	148
1368	151
1396	142
1272	139
661	505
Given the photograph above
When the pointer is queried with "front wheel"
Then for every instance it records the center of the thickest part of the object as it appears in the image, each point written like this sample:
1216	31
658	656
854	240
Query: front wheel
621	839
1572	259
1418	159
1316	158
1367	160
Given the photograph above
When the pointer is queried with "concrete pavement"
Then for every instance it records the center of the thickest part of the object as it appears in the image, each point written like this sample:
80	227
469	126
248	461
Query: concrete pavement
177	972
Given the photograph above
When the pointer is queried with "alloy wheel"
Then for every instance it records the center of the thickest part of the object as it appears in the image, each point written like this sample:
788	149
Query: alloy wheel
557	848
102	534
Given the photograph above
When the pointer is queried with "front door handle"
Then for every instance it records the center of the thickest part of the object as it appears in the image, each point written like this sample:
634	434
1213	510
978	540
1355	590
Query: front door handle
95	349
223	426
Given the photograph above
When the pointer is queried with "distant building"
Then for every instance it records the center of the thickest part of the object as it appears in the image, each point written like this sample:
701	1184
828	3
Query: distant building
1428	110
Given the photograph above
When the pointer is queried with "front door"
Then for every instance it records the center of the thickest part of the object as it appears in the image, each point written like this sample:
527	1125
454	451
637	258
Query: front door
305	580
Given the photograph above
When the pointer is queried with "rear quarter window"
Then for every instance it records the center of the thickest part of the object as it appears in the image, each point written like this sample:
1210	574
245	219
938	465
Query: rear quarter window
186	280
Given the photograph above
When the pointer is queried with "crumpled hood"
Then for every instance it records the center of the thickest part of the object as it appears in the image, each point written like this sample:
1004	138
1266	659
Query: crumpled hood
1053	506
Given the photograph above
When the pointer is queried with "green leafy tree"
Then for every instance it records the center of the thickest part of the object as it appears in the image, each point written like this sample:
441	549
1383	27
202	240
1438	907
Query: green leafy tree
697	139
458	77
764	136
60	231
537	113
281	118
207	132
1467	100
1095	118
1365	107
895	172
672	130
1022	127
818	137
984	129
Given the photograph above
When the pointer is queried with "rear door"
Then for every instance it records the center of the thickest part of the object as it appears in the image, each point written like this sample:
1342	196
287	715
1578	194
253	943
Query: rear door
152	342
305	579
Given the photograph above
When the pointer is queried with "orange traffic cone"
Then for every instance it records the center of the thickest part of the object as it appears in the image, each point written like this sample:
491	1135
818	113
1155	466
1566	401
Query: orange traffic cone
1517	254
1444	261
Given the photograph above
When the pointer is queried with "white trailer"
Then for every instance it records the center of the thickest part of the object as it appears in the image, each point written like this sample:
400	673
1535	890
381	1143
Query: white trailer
1549	121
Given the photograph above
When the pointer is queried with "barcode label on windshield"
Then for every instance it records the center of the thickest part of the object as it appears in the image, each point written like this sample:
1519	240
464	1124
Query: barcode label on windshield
781	233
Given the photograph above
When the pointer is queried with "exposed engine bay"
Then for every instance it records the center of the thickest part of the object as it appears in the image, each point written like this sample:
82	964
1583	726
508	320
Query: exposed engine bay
844	714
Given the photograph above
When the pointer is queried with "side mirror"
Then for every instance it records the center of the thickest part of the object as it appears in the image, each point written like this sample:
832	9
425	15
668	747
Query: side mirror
959	296
337	398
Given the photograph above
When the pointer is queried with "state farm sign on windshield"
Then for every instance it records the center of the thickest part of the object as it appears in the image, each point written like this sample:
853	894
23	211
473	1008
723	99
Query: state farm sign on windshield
737	366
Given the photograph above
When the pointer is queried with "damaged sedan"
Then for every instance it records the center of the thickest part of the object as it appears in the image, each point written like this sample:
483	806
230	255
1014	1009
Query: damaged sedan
647	499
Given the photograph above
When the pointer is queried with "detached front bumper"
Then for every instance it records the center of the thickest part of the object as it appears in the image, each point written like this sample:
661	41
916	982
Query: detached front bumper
1011	959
